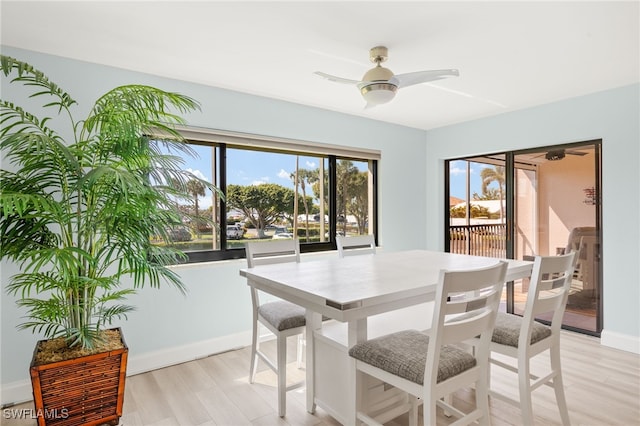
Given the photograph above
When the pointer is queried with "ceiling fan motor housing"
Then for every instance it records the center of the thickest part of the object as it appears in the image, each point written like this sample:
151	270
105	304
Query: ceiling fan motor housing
555	155
376	88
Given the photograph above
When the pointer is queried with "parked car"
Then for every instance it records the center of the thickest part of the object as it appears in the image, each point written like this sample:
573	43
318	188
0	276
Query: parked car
280	229
179	234
281	233
283	236
234	232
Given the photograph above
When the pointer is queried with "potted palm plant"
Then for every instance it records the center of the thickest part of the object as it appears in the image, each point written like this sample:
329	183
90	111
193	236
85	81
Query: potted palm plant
78	209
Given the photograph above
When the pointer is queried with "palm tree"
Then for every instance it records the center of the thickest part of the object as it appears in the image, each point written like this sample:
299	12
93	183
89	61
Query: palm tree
77	214
196	188
490	175
309	176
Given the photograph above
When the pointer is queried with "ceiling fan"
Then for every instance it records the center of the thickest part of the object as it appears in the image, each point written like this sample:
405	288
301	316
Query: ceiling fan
559	154
379	84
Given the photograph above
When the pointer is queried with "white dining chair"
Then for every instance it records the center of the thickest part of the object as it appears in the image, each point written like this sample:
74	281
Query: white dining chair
280	317
358	244
522	338
431	365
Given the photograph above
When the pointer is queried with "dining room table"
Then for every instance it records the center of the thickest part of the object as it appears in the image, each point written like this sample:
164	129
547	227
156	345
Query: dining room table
351	290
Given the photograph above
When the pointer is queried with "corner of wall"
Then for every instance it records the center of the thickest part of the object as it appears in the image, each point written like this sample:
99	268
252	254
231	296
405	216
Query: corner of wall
620	341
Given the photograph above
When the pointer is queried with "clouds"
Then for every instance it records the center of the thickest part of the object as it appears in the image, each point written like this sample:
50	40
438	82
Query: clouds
197	173
457	168
458	177
283	174
456	171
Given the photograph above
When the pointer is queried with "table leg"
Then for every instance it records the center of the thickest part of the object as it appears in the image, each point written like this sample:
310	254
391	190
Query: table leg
313	322
357	332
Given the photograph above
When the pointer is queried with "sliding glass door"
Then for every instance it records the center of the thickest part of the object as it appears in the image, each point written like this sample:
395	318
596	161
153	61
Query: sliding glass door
519	204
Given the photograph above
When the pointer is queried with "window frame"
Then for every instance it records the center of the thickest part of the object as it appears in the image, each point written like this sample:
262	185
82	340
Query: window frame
222	140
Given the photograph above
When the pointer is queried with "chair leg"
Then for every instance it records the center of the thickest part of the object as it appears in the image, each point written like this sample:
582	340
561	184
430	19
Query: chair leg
526	404
282	375
356	399
558	385
413	412
300	350
448	399
254	352
429	407
482	399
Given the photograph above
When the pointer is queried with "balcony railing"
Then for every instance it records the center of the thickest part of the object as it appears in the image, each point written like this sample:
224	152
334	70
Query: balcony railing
479	240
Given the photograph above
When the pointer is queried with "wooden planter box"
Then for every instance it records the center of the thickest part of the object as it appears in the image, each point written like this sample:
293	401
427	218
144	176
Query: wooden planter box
88	390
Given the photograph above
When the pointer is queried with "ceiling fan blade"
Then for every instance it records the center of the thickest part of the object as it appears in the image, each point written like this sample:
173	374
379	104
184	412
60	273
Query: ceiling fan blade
572	152
336	79
409	79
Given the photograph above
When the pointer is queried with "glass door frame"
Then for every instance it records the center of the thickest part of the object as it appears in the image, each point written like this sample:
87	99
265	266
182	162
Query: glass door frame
510	214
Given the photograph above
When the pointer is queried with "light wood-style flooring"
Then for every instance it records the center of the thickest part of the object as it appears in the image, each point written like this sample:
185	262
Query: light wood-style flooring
602	388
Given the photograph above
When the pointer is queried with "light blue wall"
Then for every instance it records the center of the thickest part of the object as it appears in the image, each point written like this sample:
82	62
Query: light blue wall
411	199
218	303
614	117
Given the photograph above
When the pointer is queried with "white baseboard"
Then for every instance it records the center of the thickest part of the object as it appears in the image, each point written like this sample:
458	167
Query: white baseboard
620	341
16	392
20	391
171	356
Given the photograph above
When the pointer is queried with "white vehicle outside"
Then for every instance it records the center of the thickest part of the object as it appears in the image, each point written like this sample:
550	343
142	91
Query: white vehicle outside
234	232
283	236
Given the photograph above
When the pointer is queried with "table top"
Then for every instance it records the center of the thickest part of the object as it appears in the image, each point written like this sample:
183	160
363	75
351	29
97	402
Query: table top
350	287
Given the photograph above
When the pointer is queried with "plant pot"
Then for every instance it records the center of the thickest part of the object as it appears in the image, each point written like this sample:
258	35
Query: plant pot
87	390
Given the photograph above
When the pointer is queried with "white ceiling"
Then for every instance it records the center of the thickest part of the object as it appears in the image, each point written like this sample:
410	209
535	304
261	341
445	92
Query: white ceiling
511	55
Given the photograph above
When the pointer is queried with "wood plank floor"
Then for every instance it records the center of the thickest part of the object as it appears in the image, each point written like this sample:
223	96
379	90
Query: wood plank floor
602	387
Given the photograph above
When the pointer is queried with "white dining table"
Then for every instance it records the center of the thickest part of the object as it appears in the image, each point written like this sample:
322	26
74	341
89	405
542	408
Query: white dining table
352	289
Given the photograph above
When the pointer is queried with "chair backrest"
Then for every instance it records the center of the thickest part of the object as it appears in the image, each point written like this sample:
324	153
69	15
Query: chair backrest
359	244
269	252
548	292
575	237
466	306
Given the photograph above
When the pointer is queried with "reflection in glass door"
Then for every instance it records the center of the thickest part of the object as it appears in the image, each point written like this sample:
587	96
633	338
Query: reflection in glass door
557	209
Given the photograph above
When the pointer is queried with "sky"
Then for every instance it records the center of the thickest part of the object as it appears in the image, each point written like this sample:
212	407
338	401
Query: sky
246	167
458	178
256	167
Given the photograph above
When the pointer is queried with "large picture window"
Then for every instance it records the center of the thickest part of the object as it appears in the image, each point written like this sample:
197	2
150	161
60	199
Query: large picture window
273	189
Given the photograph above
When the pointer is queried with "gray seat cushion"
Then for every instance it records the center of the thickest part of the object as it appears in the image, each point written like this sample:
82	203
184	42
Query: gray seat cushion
405	354
507	330
283	315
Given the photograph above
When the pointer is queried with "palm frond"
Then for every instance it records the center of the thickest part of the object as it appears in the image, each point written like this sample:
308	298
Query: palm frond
137	110
78	214
30	76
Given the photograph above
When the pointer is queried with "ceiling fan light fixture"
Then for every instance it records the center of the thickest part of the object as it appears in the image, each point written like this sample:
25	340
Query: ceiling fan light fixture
378	93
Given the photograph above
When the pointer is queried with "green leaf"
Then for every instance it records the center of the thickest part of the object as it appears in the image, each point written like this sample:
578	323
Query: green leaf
76	213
